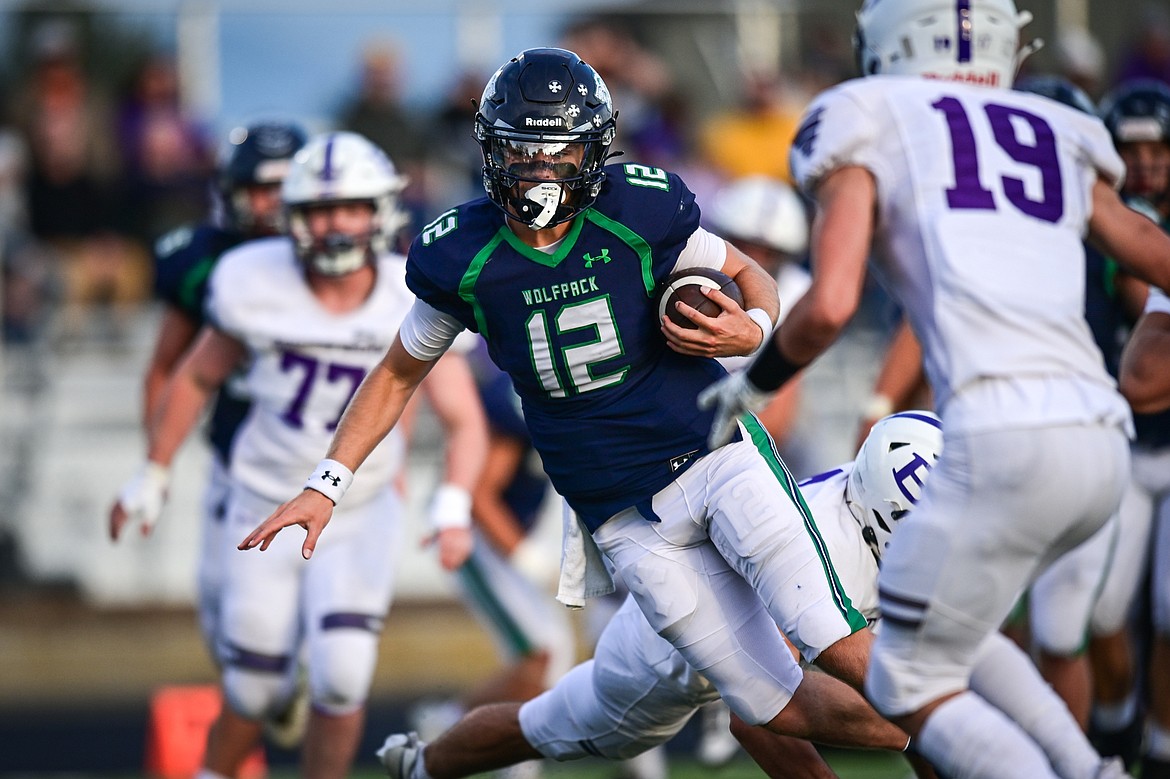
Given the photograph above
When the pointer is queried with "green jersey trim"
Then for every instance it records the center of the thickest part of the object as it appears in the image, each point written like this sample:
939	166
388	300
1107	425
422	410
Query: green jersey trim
631	239
767	449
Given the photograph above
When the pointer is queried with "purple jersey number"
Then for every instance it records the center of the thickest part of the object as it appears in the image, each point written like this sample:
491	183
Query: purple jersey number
294	414
1037	151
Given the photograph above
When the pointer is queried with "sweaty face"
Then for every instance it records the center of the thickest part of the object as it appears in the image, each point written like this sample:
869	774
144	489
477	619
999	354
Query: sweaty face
544	161
1147	166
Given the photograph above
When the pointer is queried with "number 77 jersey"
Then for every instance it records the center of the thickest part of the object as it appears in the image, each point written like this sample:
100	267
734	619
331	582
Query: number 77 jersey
984	196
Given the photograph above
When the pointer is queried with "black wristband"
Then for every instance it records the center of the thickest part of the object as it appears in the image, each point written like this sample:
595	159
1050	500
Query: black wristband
771	369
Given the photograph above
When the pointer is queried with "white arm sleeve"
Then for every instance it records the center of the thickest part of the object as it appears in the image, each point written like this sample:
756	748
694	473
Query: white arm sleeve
426	332
704	249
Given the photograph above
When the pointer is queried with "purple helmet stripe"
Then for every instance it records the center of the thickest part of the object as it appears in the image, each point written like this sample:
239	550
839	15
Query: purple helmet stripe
919	417
327	169
963	10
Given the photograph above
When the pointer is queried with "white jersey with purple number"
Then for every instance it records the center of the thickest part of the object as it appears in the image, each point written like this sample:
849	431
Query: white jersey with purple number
988	296
306	363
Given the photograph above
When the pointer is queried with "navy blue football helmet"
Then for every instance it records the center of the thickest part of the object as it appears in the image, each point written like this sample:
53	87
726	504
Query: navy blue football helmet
257	155
1138	110
545	124
1059	89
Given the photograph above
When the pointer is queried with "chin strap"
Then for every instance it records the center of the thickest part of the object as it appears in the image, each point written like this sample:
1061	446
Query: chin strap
548	197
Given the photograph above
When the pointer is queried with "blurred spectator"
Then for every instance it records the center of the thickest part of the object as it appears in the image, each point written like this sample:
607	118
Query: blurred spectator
455	162
25	282
168	156
377	112
73	194
653	113
1080	59
1148	54
754	138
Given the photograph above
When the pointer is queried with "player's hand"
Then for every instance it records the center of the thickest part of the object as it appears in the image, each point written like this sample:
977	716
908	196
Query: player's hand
730	333
731	397
455	545
141	499
311	510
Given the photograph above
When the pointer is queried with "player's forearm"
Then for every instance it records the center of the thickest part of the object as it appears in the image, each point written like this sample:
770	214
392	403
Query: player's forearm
1144	377
759	290
1136	242
371	414
181	406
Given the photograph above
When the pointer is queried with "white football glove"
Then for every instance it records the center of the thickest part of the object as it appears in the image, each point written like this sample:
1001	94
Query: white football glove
731	397
144	496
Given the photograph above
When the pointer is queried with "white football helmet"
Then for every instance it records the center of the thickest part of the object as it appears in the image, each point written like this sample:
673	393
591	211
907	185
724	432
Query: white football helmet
761	210
976	41
889	472
342	167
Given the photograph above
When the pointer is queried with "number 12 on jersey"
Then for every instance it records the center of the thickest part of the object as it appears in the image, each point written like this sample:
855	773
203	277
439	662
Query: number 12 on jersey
579	359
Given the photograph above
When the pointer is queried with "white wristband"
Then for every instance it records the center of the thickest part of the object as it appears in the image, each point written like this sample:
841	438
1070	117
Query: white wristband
331	479
762	318
450	507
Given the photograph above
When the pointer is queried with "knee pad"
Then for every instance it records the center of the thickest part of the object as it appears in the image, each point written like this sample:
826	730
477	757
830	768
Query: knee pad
256	695
341	667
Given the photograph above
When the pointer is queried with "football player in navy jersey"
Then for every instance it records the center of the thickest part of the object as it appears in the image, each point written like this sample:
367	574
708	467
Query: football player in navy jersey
557	269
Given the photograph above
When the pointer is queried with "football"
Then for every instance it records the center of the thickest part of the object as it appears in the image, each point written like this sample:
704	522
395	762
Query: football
687	286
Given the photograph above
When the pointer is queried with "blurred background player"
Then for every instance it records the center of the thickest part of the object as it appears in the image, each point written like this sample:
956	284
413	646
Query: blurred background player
898	167
247	206
311	313
1137	114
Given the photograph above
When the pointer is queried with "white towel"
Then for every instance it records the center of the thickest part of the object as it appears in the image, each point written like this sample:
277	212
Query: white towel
583	571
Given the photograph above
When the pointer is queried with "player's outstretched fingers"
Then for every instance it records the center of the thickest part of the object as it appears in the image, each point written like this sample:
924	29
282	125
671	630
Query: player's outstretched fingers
118	519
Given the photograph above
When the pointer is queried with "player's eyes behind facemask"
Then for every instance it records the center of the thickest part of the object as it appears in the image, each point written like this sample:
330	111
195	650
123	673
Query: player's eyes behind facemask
522	159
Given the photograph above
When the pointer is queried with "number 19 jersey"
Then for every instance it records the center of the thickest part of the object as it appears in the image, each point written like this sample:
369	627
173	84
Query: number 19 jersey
984	197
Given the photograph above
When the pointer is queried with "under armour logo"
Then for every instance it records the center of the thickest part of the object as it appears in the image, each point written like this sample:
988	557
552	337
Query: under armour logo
554	86
602	258
328	476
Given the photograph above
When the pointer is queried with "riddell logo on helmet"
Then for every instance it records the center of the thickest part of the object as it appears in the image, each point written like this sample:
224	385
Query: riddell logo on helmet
546	121
989	79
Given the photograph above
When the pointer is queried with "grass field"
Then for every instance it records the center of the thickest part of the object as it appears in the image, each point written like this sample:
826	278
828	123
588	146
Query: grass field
849	765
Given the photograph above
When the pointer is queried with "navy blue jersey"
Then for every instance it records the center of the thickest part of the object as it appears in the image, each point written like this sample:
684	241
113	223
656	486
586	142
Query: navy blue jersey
525	493
183	261
609	406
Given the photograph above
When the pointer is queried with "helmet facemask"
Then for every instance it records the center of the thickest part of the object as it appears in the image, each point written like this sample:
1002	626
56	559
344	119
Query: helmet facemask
543	181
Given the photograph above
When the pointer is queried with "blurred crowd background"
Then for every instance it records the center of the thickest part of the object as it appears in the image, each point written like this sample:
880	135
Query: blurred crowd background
113	112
